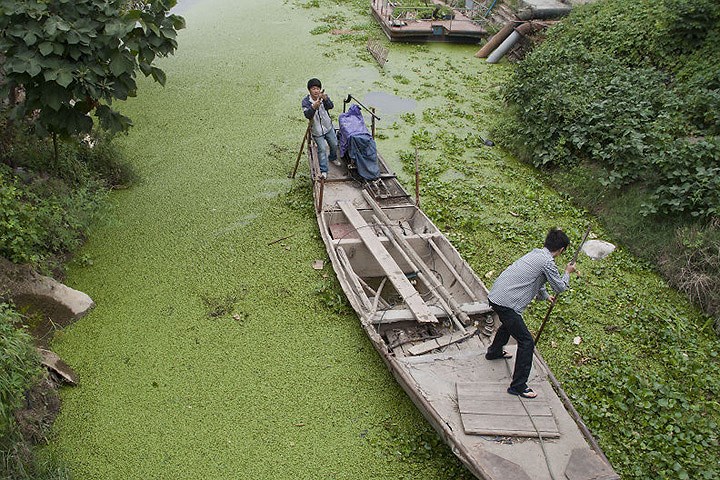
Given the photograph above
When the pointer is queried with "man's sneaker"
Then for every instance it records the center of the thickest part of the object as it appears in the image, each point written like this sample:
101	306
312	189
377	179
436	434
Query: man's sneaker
337	163
323	175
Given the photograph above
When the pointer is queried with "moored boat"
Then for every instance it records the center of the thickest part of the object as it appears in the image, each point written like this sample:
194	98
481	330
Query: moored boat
426	313
435	22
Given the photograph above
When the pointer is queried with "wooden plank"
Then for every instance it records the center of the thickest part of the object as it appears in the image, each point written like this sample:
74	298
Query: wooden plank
412	298
511	426
443	341
507	406
492	397
487	409
390	316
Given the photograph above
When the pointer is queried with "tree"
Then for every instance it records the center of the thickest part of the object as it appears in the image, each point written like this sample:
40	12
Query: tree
72	58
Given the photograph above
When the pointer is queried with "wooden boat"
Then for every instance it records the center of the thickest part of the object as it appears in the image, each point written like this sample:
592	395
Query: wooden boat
426	313
413	24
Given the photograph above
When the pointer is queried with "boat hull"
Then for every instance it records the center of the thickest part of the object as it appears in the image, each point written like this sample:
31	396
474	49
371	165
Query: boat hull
426	313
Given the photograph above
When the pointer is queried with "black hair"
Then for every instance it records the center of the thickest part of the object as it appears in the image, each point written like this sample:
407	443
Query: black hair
314	82
556	239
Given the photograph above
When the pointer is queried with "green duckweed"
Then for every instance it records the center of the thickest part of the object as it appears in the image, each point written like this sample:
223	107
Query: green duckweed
216	350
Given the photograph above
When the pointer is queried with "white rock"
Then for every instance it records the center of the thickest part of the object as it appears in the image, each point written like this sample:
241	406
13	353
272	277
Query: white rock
597	249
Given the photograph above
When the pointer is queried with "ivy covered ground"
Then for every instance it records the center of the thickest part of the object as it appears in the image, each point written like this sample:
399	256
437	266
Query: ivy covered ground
216	353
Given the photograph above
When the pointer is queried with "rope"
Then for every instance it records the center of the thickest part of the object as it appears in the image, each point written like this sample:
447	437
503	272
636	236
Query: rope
537	430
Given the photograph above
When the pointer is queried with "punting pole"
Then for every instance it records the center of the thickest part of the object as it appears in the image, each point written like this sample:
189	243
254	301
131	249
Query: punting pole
552	304
417	179
302	147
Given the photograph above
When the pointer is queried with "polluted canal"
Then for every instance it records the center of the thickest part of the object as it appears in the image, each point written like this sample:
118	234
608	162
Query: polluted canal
215	349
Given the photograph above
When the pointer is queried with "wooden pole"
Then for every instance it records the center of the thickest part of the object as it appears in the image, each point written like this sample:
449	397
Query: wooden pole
552	304
302	147
417	179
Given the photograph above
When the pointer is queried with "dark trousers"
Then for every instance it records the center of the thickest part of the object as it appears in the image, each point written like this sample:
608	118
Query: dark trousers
513	325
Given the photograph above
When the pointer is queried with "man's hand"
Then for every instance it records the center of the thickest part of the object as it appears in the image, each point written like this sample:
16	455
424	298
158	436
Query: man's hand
570	268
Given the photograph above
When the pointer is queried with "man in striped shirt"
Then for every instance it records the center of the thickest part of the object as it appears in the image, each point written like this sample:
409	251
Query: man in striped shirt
513	291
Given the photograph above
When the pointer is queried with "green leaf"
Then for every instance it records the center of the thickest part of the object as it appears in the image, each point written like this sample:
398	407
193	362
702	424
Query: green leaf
158	75
64	78
121	63
30	38
46	48
33	68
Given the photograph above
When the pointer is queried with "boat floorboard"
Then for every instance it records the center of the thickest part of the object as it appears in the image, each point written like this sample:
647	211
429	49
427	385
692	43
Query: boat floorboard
486	409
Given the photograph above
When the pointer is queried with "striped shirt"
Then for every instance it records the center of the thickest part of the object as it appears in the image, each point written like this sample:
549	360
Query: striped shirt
525	280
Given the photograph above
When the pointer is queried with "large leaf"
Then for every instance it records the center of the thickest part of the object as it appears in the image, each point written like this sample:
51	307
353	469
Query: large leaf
121	62
46	48
64	78
158	75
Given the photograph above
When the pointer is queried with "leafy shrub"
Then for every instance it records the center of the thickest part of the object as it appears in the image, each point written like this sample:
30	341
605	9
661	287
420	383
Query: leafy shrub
637	95
20	368
45	217
47	204
690	172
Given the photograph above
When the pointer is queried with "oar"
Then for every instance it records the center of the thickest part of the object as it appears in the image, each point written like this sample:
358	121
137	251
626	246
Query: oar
350	97
552	304
302	147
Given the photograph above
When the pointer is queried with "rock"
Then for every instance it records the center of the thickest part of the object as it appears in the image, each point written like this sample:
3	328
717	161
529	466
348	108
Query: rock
597	249
21	280
54	363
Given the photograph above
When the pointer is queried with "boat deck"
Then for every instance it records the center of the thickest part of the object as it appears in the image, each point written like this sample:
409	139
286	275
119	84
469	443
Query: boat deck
404	28
469	394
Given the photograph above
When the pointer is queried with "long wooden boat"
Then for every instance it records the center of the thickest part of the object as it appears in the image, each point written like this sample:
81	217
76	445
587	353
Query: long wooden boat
426	313
413	24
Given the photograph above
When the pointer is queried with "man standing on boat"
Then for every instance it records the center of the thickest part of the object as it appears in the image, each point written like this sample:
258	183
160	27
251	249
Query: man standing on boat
513	291
315	107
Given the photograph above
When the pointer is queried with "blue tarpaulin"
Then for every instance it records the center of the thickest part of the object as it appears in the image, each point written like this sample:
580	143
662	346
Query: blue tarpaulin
355	141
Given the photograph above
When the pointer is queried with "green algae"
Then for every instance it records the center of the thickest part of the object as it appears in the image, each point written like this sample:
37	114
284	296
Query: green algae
216	351
213	351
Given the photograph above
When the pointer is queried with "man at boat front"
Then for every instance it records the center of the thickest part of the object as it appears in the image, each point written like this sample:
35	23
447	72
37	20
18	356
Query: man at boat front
513	291
315	107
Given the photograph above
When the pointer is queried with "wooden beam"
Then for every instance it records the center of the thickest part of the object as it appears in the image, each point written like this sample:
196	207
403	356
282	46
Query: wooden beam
412	298
391	316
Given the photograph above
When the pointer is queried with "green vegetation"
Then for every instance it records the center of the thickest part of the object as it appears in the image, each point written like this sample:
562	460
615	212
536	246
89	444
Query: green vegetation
66	60
20	368
639	102
621	104
19	372
48	206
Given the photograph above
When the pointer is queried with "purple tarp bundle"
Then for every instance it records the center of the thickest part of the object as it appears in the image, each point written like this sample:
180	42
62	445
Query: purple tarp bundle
358	144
